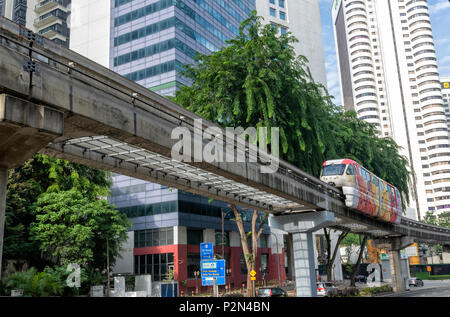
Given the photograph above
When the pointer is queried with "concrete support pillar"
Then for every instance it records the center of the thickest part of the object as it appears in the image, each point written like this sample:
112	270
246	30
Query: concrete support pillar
394	263
3	185
393	246
301	226
304	264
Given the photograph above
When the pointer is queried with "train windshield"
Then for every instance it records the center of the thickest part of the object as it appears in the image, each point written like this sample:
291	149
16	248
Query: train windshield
335	169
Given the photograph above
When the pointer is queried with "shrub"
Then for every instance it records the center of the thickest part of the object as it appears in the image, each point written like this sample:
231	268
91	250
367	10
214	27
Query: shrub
34	283
376	290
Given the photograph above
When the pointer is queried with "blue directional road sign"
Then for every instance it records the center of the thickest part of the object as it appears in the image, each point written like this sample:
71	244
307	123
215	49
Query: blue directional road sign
211	269
206	251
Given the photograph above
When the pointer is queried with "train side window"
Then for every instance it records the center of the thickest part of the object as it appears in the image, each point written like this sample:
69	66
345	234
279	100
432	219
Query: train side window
350	170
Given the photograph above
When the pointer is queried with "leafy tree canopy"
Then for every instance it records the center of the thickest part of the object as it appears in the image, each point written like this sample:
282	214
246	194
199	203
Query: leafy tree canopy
72	229
257	81
39	175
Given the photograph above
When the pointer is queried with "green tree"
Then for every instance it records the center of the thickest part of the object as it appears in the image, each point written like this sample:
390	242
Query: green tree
37	176
442	220
257	81
70	228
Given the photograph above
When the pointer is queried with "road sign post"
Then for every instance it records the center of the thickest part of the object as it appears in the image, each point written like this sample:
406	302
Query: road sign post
215	288
206	251
253	279
213	270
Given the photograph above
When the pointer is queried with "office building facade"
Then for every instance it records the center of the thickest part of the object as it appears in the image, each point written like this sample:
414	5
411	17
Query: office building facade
389	76
152	40
302	19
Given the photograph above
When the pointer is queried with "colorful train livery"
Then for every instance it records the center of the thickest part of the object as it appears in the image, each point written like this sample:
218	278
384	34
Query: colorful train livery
363	190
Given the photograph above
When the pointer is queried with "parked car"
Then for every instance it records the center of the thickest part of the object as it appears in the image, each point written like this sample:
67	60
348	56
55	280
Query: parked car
326	289
271	292
361	278
416	282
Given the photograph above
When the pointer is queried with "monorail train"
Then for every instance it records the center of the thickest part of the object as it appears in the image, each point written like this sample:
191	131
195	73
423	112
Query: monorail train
363	190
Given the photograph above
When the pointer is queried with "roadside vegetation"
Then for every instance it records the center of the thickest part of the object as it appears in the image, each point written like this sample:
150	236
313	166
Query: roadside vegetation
56	215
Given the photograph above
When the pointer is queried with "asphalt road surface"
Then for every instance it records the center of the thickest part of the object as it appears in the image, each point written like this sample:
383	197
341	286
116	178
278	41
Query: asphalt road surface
430	289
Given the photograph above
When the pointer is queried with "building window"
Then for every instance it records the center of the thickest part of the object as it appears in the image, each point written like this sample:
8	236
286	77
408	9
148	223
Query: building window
273	12
157	265
283	30
265	262
226	239
281	3
282	15
193	264
263	241
153	237
194	236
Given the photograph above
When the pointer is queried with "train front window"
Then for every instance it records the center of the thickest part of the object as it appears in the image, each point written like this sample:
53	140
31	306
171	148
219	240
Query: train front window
335	169
350	170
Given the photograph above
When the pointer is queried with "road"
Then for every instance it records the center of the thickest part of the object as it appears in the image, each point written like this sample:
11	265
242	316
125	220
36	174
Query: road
430	289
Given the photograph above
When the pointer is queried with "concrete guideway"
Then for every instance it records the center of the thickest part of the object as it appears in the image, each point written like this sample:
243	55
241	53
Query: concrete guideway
59	103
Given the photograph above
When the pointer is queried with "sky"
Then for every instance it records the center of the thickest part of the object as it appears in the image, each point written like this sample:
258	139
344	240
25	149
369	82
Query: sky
440	18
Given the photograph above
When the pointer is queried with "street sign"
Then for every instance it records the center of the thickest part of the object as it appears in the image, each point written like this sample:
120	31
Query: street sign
206	251
211	269
253	273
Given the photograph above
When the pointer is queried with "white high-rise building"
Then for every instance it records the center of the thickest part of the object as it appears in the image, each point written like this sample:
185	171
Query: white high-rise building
445	81
389	76
302	19
47	18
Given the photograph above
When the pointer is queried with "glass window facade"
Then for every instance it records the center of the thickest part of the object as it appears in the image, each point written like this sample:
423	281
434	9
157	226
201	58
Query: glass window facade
194	236
153	237
226	238
193	264
2	7
157	265
150	209
152	41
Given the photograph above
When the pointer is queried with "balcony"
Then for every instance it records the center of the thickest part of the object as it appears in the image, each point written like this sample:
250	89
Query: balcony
46	5
47	20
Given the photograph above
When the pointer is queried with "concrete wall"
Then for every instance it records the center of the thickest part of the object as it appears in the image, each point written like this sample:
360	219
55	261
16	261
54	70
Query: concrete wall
90	29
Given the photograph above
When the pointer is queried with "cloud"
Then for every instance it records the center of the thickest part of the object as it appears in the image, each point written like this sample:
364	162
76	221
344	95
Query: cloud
439	7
